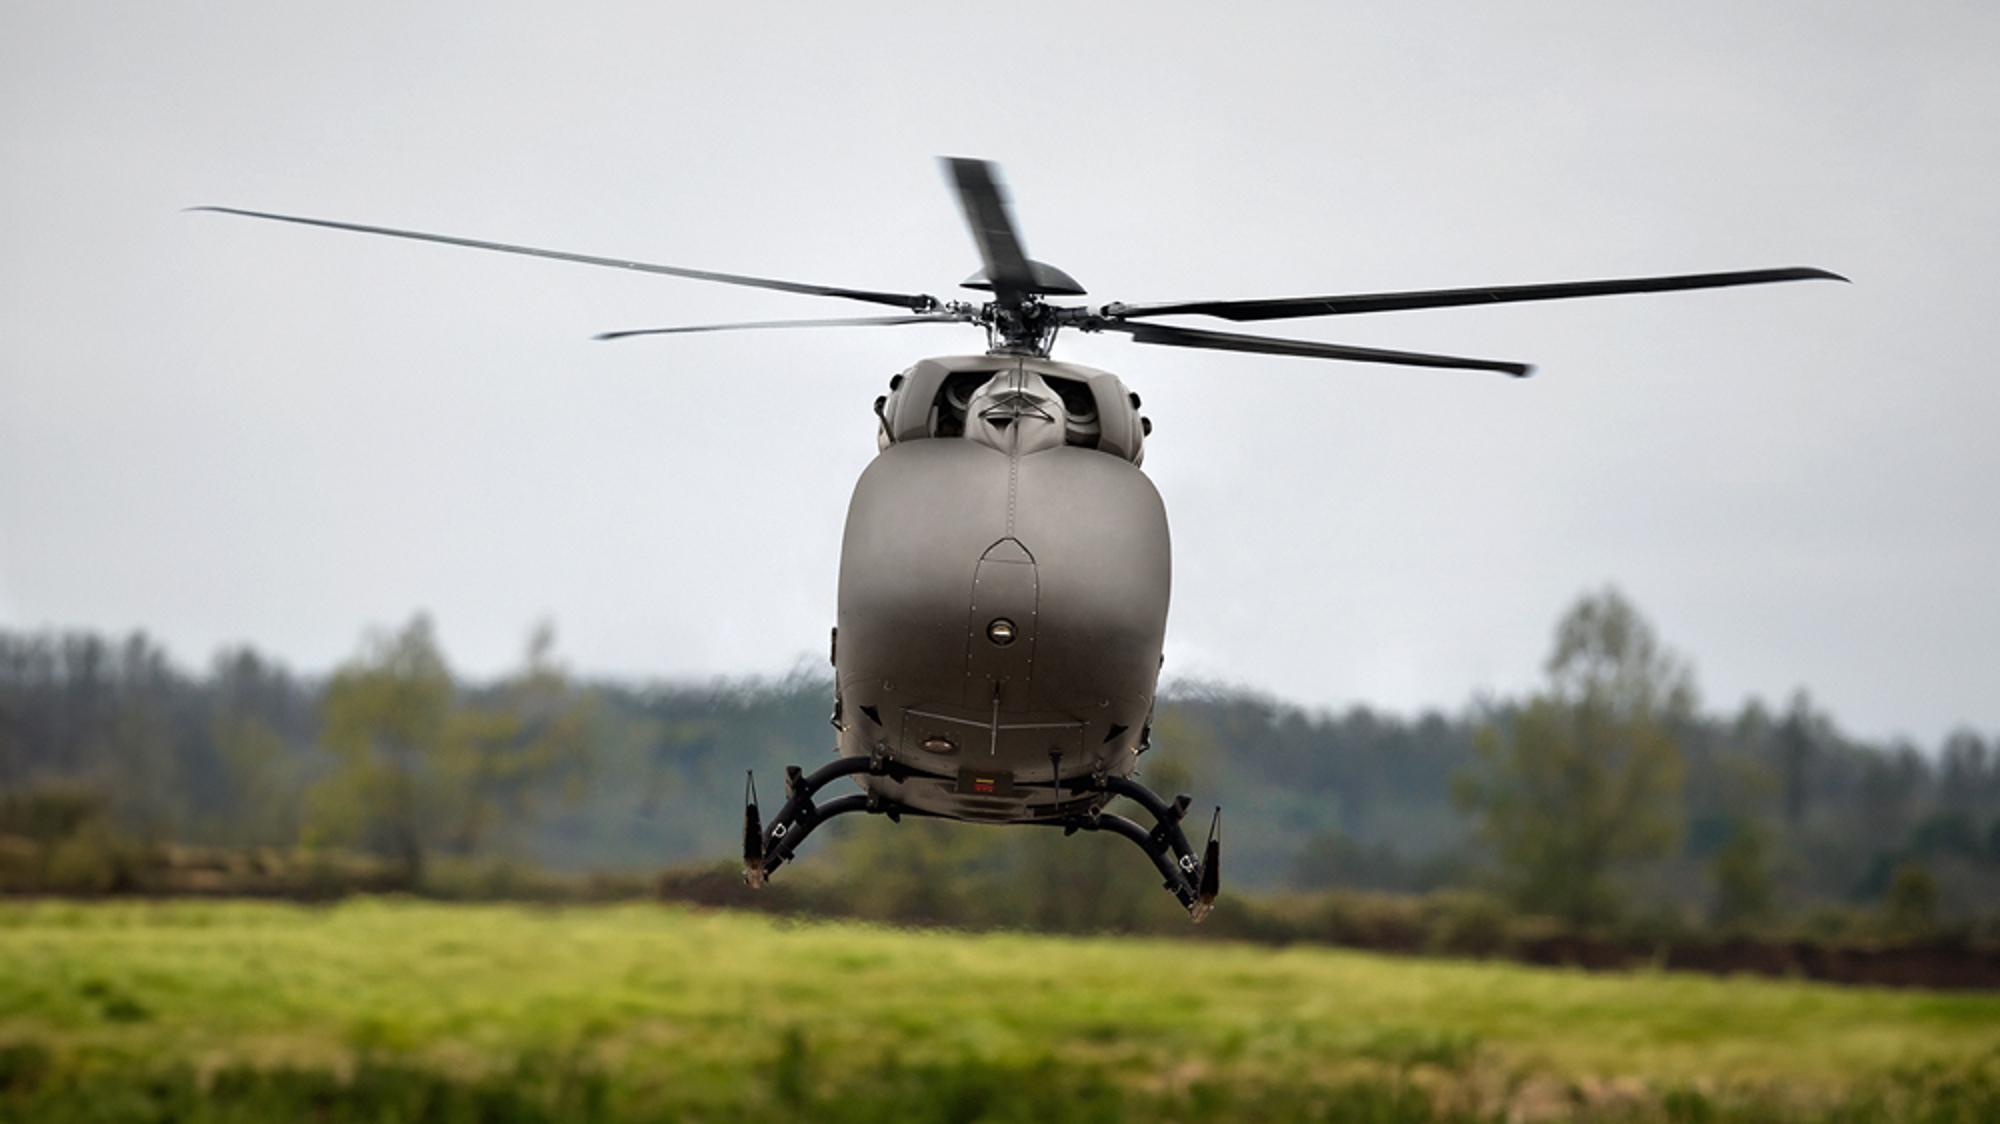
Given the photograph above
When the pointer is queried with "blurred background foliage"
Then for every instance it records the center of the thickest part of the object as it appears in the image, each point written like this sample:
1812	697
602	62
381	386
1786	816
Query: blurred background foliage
1606	801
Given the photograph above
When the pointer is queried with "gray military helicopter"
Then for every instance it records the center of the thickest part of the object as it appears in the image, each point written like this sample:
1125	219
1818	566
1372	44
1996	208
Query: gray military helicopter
1005	568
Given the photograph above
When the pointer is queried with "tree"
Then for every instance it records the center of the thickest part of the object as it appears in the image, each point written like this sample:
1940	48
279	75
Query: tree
422	769
1796	750
1741	869
500	756
385	717
257	716
1911	903
1586	774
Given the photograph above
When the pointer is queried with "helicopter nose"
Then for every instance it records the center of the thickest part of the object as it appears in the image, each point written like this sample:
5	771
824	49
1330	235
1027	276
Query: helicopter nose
1000	629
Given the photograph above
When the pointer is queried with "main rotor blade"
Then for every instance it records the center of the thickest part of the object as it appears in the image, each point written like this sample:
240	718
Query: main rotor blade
985	204
1310	349
1283	308
918	302
838	322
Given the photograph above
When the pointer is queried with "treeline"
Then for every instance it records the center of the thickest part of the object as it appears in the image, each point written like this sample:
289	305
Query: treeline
1605	798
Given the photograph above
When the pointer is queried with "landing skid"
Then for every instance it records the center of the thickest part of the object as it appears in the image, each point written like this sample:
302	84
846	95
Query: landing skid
1194	881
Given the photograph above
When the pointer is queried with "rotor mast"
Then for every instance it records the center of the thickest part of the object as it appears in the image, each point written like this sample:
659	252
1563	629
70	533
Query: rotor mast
1017	322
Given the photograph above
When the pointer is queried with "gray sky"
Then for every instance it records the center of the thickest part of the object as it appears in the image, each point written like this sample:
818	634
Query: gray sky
222	431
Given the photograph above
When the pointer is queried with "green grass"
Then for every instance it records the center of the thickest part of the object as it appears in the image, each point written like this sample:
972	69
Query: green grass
668	1010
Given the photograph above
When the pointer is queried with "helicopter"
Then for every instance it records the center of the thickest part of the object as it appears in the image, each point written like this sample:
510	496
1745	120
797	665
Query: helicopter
1005	565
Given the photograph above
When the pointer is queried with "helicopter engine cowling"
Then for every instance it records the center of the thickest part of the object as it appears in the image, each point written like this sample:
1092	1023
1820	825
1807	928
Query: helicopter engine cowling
1003	598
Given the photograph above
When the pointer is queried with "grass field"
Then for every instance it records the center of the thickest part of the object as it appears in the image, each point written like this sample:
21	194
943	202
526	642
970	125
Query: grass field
644	1011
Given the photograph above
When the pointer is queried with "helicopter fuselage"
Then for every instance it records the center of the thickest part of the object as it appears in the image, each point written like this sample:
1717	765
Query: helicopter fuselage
1003	591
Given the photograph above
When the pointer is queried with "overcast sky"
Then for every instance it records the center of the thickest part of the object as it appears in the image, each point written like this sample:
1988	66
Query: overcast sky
225	431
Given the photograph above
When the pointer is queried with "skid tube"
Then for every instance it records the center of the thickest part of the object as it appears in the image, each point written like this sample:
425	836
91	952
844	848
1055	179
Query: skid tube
1195	882
767	849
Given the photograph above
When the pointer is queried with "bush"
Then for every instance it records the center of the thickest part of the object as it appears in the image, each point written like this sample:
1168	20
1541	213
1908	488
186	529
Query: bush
1911	904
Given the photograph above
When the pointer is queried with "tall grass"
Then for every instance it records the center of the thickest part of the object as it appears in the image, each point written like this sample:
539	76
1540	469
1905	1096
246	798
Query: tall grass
390	1009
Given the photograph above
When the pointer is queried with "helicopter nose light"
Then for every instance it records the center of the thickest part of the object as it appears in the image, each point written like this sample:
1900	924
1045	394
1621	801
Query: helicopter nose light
1001	631
938	743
